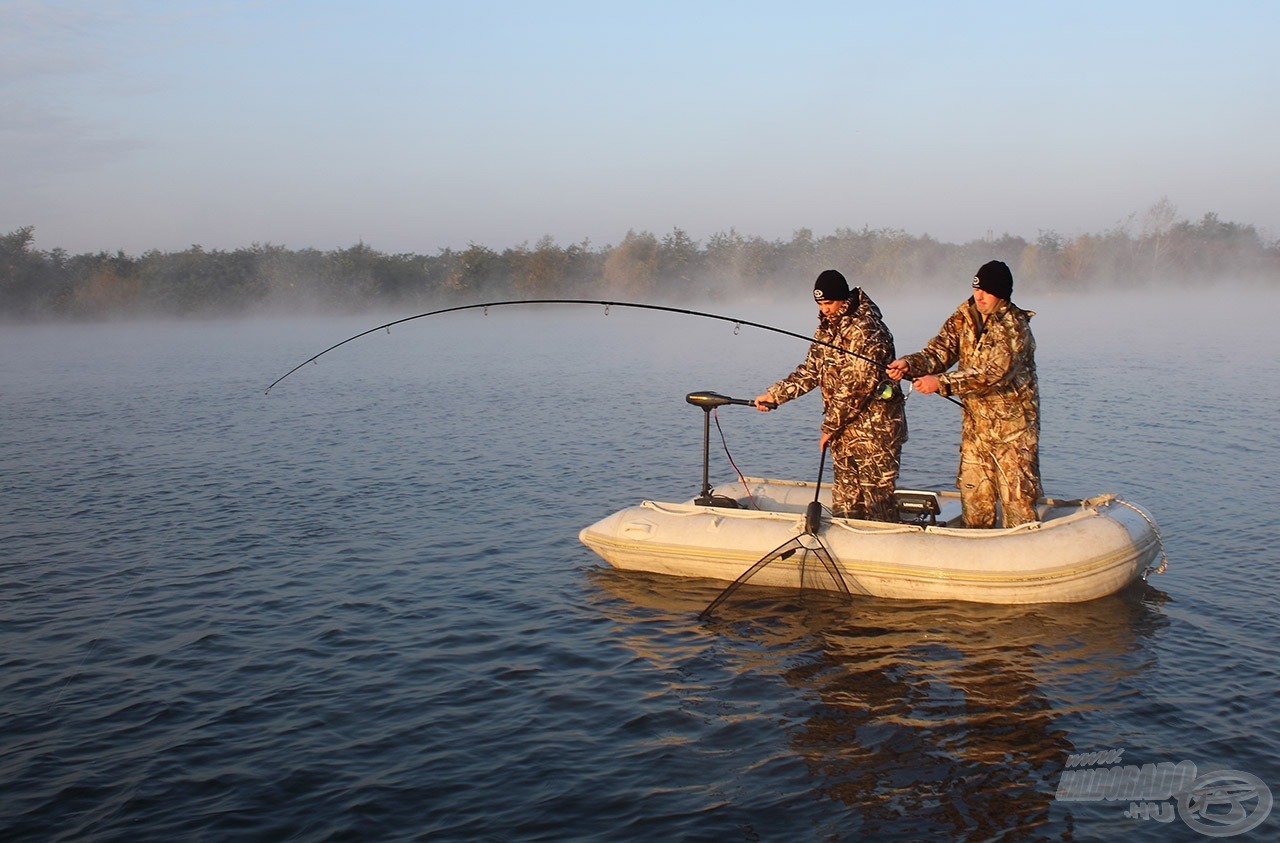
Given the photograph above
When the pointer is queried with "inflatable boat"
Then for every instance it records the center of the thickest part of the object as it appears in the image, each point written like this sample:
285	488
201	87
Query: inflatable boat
1081	549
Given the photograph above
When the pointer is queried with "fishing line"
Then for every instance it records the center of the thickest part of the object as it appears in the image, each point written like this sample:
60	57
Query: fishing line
737	323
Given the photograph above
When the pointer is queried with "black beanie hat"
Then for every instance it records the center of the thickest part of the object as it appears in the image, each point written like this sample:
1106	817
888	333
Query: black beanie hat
830	286
995	278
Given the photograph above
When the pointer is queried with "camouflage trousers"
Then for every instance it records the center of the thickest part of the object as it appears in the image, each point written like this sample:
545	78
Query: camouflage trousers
1007	472
866	472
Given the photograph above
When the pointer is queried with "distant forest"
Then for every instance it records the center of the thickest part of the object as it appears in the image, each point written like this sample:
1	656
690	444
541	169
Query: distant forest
1157	250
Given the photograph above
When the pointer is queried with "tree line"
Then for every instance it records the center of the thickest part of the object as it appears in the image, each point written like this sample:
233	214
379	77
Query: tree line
1159	249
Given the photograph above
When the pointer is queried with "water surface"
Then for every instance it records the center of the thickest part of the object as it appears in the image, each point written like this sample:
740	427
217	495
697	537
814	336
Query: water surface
357	608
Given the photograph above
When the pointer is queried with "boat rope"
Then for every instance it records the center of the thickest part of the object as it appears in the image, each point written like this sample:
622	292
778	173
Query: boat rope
690	510
972	533
1164	558
880	528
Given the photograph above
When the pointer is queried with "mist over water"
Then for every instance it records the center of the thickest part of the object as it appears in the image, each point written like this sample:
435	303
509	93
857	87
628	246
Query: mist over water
357	609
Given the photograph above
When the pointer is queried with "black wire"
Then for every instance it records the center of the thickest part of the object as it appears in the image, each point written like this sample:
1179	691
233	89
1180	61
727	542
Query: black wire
725	442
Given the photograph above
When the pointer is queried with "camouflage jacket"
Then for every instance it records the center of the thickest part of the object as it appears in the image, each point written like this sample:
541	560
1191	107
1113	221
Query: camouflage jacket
850	385
995	364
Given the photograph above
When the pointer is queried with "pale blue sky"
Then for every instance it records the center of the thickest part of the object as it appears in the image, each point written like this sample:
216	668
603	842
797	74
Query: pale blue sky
416	126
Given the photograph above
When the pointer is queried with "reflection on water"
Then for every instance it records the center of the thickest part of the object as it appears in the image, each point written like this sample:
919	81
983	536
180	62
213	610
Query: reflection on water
952	719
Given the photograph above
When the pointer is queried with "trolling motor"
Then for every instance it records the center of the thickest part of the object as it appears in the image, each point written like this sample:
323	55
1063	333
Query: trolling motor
708	401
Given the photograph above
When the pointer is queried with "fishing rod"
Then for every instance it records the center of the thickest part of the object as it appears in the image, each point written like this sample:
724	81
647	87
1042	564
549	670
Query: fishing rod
606	304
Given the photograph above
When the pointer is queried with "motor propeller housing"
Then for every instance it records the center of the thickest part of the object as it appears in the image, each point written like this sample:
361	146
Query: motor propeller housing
707	399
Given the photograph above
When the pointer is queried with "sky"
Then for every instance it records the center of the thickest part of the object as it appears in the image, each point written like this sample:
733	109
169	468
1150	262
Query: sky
420	126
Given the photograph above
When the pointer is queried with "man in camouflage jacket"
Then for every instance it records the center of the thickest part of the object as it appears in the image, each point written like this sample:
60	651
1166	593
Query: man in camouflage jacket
988	339
863	422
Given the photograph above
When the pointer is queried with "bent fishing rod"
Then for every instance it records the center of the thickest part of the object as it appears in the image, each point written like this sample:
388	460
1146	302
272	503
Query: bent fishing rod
599	302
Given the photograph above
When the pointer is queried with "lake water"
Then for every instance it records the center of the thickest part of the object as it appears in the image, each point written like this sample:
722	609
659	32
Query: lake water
357	609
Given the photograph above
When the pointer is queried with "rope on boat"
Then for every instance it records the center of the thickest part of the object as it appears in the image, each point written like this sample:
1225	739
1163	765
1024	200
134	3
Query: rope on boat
1164	558
881	527
689	510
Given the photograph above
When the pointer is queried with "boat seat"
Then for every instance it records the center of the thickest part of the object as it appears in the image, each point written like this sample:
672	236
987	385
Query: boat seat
918	507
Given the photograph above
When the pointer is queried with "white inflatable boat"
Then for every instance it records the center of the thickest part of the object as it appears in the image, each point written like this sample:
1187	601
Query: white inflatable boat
1079	550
